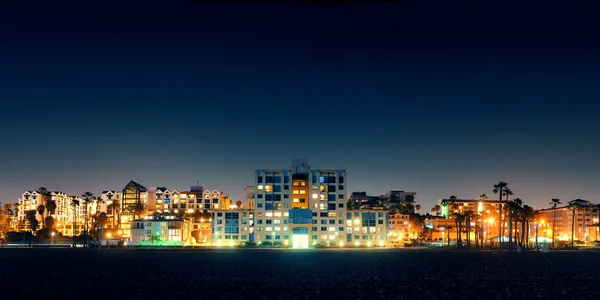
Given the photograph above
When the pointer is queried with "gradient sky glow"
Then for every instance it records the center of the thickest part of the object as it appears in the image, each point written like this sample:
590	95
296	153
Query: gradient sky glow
437	97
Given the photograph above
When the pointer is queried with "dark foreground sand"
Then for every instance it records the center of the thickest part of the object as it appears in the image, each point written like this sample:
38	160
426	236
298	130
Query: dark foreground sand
314	274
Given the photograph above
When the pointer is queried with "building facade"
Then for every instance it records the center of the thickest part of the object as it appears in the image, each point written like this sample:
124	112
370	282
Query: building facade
68	215
232	227
578	216
163	230
320	191
401	199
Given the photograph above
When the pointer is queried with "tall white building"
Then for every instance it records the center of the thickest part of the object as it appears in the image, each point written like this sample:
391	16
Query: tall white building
300	206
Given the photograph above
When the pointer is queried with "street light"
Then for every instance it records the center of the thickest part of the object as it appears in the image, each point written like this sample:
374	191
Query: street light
52	234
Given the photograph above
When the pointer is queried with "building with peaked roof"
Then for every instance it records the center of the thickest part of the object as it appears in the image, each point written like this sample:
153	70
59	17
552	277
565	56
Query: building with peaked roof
63	215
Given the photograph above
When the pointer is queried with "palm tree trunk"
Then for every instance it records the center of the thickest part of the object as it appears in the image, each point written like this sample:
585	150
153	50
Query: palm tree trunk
523	241
584	229
500	224
509	230
572	227
554	227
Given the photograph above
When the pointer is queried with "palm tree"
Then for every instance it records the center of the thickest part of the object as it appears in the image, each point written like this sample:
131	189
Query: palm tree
468	215
115	207
479	222
435	210
87	197
499	189
596	209
554	203
238	204
573	206
511	207
139	209
418	207
459	219
8	209
75	203
514	216
449	229
528	214
33	222
41	209
535	215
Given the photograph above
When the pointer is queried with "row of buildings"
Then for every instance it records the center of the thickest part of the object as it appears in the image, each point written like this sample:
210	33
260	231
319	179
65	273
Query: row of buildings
576	220
298	207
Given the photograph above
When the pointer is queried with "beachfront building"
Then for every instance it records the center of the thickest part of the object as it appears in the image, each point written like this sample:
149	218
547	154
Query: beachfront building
577	216
367	228
68	209
160	230
486	214
399	227
401	200
320	192
232	227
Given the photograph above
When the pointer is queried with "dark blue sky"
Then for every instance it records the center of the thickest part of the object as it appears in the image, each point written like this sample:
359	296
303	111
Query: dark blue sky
438	97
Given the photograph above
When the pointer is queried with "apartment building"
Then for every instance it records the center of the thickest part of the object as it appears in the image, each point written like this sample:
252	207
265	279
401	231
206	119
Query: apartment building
320	191
399	227
577	215
393	199
366	228
231	227
68	208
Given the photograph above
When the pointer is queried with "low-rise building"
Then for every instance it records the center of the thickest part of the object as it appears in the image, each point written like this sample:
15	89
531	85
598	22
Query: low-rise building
399	228
164	230
231	227
367	228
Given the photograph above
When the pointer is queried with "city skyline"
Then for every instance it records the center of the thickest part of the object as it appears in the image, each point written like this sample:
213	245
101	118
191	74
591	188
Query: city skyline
404	96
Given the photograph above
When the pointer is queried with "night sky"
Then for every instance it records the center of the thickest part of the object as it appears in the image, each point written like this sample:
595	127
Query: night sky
437	97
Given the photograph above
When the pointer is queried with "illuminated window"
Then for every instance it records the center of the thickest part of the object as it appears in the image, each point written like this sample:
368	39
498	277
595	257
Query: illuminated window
268	188
278	214
315	196
295	183
349	222
295	192
269	228
323	197
260	187
286	214
295	200
332	237
269	214
277	228
302	183
332	228
332	213
323	206
314	187
303	192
